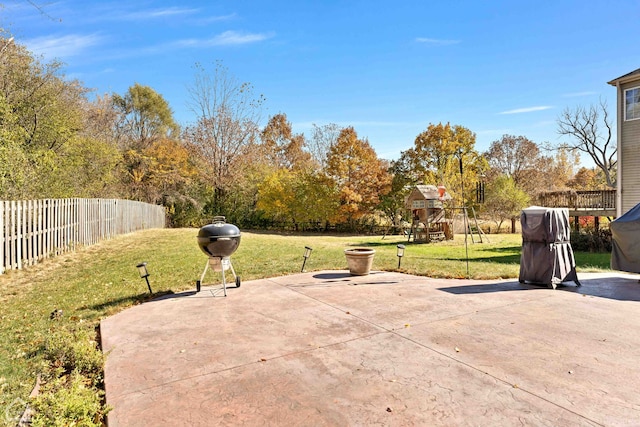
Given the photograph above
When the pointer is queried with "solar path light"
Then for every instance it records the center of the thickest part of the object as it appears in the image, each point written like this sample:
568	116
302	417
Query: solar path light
144	274
307	254
400	254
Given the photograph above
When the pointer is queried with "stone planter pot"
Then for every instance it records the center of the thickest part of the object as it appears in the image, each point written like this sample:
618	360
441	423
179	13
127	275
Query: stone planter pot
359	260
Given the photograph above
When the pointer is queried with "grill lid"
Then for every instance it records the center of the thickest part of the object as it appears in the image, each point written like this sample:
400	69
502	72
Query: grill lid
219	239
219	228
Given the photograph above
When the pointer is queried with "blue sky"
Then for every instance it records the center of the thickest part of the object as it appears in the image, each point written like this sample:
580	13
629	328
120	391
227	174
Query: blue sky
386	68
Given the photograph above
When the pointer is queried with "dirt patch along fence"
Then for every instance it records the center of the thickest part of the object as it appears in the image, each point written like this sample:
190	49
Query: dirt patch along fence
33	230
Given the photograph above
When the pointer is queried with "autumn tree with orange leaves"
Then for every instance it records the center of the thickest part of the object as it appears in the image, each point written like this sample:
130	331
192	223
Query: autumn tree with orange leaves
361	178
281	147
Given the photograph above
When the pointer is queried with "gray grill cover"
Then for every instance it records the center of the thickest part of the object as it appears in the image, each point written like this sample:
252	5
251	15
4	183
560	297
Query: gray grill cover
625	233
547	257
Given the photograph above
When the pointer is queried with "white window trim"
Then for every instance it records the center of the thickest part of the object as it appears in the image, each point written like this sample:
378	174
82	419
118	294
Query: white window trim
624	103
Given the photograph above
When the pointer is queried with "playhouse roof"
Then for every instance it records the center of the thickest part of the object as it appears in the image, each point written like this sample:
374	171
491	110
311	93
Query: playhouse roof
428	192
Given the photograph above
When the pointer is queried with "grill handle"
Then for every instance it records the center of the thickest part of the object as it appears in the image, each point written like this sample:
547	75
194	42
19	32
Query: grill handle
218	238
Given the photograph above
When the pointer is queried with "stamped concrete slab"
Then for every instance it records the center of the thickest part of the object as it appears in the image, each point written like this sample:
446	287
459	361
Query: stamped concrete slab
326	348
576	352
191	334
395	300
378	380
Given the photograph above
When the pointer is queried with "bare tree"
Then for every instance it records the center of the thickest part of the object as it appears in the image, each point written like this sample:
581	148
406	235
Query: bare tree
519	158
323	138
591	133
227	124
219	93
513	156
100	121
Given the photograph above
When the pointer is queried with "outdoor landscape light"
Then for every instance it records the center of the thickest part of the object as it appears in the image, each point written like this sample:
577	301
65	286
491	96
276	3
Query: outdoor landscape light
307	254
400	254
144	274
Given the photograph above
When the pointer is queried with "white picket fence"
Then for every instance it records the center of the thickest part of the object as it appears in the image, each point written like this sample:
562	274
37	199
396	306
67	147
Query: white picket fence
33	230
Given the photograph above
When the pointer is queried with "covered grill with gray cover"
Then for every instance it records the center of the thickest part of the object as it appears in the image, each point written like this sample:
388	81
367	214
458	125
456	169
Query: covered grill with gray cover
625	245
547	257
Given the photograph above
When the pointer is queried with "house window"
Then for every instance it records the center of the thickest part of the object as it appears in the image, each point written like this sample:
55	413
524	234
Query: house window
632	104
418	204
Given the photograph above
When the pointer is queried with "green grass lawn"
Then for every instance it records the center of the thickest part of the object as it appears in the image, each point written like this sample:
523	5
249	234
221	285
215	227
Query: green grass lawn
100	280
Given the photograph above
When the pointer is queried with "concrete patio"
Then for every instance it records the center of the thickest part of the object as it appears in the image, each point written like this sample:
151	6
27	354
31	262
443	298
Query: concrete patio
330	349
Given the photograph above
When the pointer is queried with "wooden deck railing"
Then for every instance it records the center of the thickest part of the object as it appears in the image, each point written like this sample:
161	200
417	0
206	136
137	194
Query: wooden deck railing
592	201
32	230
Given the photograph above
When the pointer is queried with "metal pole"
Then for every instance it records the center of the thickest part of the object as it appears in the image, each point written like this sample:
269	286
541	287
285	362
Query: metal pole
148	285
464	212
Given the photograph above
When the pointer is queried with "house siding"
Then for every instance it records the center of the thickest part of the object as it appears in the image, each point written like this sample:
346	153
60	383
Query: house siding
629	155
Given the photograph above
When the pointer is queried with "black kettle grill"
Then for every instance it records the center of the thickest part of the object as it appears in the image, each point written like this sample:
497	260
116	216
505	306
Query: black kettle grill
218	241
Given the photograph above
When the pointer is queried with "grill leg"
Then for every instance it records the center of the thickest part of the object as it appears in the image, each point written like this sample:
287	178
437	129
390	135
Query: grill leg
232	270
224	279
199	282
235	276
223	263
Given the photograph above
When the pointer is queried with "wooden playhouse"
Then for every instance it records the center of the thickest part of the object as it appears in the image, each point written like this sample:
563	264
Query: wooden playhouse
428	220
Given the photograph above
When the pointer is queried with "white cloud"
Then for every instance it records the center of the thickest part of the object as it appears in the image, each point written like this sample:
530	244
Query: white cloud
234	37
225	39
527	109
62	46
578	94
161	13
194	16
436	42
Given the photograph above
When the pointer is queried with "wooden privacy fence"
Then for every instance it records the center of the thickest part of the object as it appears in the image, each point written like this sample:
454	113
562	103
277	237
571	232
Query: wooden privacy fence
32	230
